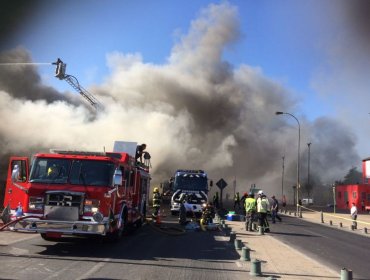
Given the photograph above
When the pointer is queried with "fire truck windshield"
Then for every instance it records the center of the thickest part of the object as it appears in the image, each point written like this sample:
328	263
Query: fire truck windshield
195	182
75	172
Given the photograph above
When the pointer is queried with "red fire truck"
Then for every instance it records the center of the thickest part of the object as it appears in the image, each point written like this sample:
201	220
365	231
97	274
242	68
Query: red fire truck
77	193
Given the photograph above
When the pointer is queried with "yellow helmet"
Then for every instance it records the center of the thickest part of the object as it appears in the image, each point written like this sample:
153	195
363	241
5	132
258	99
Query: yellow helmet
156	190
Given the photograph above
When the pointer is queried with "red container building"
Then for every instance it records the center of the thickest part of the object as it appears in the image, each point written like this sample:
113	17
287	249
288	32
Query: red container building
345	195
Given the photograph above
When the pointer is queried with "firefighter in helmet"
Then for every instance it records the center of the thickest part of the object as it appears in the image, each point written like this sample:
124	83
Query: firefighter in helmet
157	198
208	214
52	171
182	212
263	206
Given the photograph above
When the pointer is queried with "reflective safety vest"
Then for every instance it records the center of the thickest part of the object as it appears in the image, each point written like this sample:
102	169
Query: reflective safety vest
156	199
262	205
250	205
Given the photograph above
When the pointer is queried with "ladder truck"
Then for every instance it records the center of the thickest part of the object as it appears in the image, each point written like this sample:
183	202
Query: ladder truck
60	73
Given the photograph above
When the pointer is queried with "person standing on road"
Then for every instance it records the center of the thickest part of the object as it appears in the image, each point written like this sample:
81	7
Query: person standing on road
354	215
157	199
216	201
236	200
275	210
263	206
250	209
242	201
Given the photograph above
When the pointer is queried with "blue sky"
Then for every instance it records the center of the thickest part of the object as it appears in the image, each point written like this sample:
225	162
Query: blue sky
280	37
306	57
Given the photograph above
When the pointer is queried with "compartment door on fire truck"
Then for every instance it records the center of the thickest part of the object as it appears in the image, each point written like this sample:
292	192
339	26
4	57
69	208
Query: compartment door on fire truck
16	188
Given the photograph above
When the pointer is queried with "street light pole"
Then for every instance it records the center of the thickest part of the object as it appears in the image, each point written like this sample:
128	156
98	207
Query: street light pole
282	181
298	159
334	198
308	169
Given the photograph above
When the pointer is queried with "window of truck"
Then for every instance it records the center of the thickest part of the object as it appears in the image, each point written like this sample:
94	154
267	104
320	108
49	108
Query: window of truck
22	169
195	182
76	172
92	173
50	170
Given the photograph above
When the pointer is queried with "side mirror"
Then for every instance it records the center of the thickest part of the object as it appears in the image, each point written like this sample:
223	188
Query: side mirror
211	183
117	178
15	174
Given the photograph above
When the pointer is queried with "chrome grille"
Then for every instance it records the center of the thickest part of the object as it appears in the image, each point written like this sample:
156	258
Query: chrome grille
65	199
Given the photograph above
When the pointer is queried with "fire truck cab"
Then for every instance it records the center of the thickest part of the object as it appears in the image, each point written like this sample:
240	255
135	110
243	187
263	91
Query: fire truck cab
77	193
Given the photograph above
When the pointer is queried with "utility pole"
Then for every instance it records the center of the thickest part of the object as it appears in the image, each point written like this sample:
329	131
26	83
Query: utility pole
308	169
282	181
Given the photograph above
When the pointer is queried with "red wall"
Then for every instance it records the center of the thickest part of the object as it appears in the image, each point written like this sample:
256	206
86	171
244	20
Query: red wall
355	193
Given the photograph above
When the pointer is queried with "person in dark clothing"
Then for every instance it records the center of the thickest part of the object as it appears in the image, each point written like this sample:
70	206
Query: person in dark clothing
242	202
216	201
236	200
275	210
208	214
139	152
157	199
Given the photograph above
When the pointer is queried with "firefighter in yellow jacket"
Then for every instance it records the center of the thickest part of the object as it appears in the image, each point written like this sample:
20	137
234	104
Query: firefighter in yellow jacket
263	206
157	199
250	209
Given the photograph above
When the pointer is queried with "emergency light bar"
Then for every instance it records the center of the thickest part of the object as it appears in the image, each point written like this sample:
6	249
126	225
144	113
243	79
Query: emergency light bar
85	153
190	171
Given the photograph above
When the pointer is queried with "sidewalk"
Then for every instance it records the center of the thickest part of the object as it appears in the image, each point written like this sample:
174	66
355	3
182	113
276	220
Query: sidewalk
292	264
339	220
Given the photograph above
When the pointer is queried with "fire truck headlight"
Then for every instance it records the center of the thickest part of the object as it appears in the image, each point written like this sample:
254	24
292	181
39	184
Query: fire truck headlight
91	206
204	205
36	203
98	217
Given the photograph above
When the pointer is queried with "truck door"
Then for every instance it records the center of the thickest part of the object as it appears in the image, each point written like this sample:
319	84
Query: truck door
144	195
16	189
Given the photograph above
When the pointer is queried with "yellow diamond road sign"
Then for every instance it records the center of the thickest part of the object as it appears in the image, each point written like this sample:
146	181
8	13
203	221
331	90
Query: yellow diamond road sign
221	184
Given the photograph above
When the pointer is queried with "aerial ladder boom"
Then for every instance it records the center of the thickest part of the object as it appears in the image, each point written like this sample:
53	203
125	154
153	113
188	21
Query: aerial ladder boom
60	73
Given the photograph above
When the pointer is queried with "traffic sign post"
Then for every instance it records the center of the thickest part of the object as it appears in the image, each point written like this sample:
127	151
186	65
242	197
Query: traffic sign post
221	184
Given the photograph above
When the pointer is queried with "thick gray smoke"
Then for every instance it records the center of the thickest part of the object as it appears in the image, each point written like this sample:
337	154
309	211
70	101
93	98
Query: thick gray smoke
196	111
22	81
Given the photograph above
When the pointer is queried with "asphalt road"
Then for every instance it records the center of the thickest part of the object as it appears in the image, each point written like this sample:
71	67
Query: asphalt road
145	253
149	253
331	246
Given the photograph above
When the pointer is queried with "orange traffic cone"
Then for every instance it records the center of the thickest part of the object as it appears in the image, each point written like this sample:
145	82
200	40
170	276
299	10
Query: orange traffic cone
158	219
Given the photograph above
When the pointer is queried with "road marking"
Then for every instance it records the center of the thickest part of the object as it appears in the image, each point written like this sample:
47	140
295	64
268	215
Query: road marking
18	251
94	269
11	237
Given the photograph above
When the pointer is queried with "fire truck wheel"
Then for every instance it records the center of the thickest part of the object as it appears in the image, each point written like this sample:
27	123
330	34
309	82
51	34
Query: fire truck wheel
117	234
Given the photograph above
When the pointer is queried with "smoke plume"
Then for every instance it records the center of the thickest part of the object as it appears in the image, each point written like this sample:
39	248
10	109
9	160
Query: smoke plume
196	111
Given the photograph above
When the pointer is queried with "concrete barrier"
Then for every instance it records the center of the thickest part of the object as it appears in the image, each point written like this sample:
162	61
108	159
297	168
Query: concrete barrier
255	268
345	274
260	231
238	244
245	254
